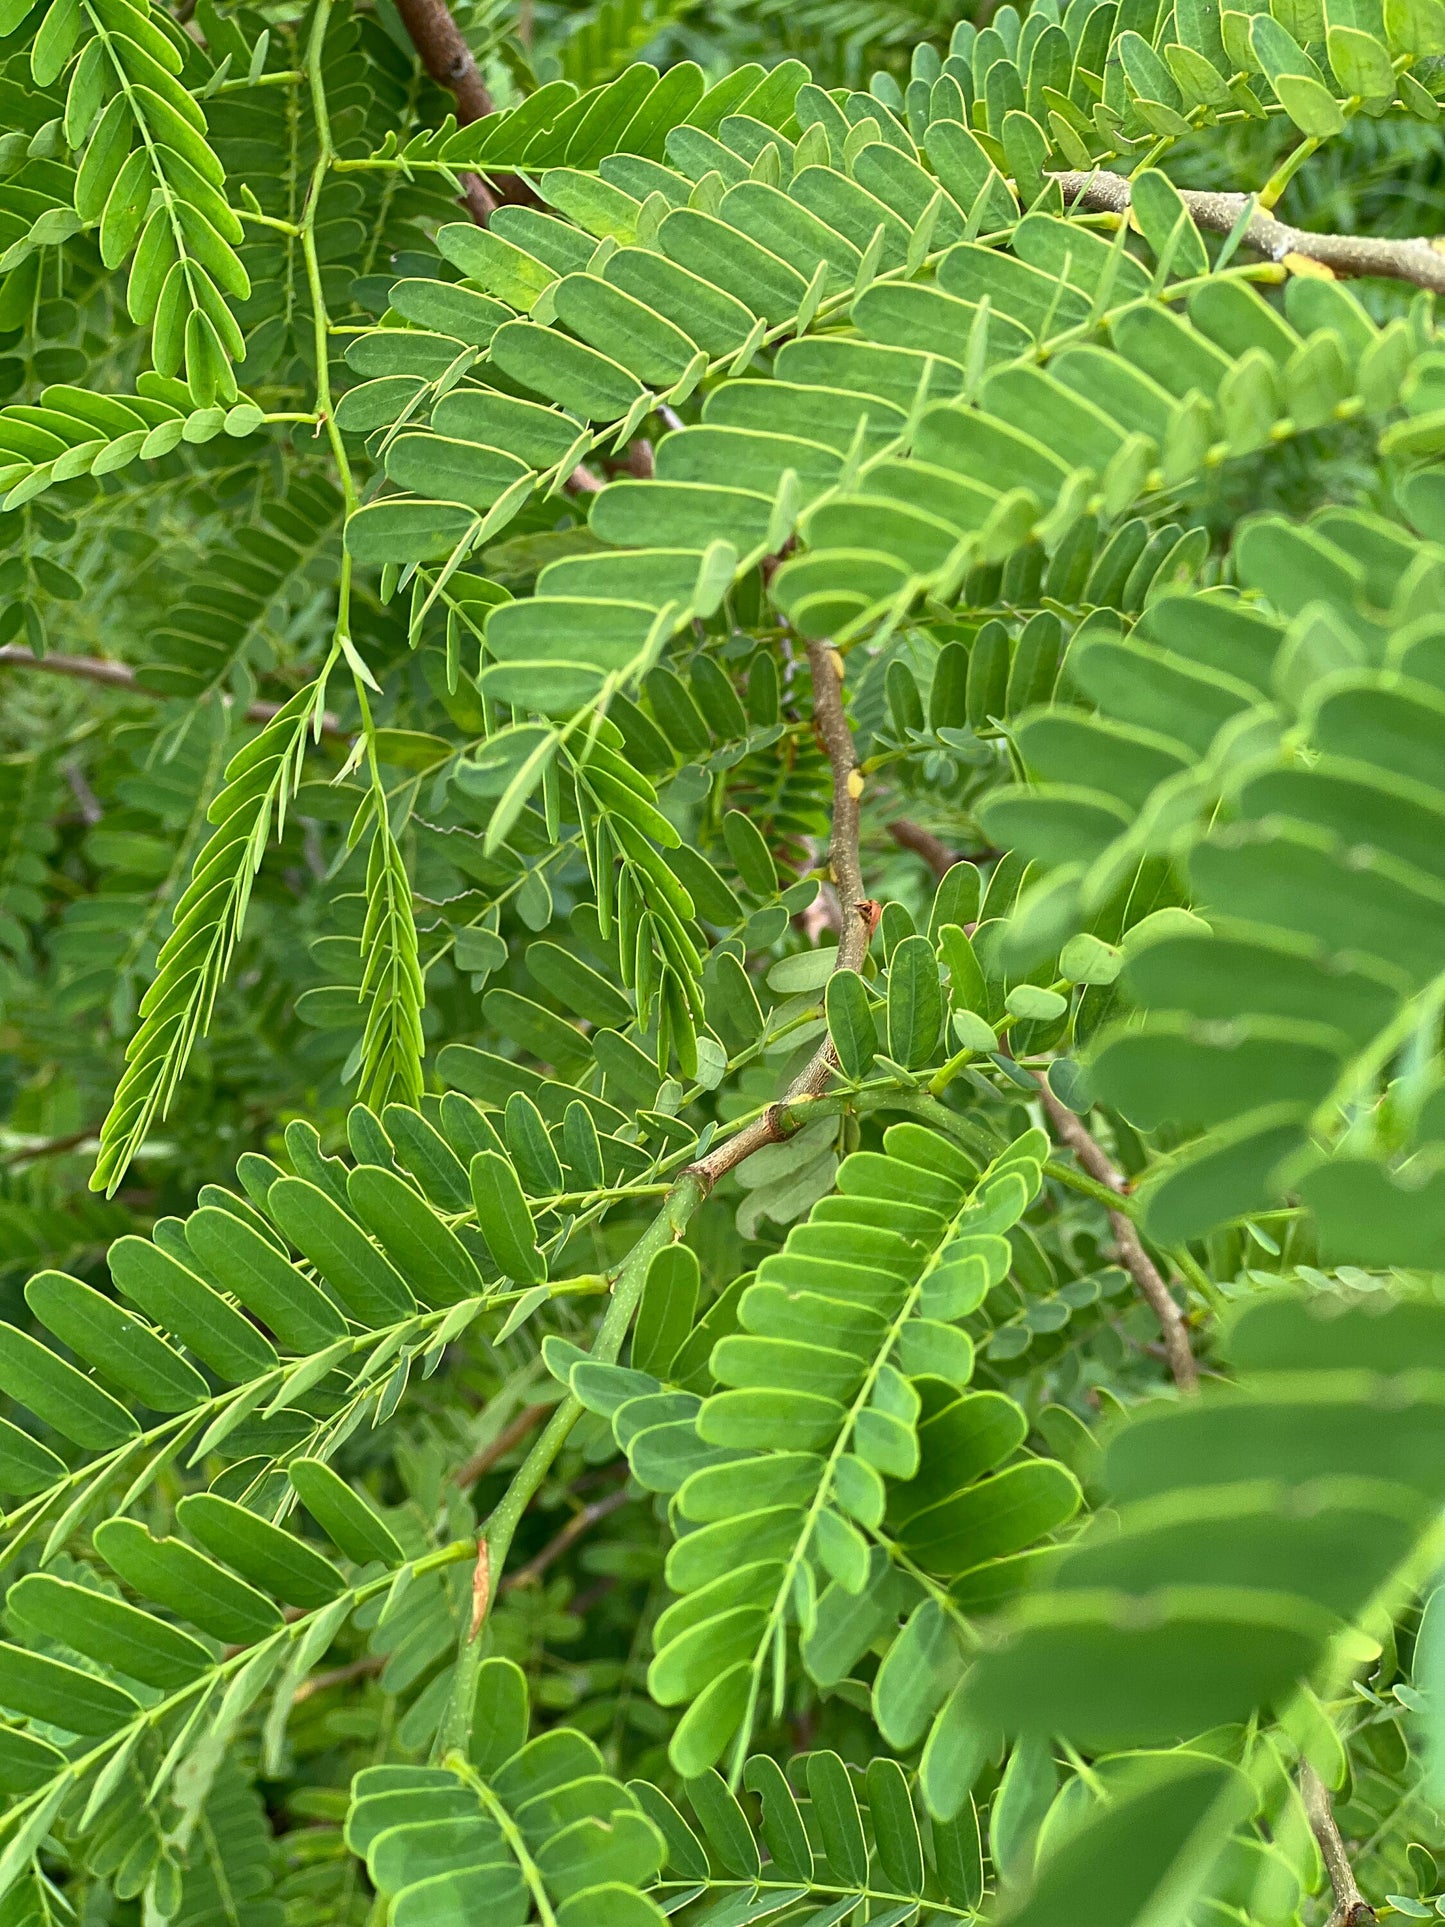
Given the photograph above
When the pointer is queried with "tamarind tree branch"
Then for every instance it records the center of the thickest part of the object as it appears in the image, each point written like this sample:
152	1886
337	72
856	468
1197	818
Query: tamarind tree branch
1419	261
447	57
576	1526
1071	1131
451	64
909	835
859	915
512	1434
938	855
120	675
1351	1907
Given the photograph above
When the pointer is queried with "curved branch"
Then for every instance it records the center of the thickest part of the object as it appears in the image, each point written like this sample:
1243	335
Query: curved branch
447	57
1418	261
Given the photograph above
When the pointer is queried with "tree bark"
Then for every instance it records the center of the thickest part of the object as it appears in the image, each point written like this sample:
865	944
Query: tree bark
448	59
1419	261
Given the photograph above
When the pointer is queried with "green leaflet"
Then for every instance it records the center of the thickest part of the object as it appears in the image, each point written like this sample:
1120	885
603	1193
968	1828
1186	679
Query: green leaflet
1171	1466
301	1316
835	1407
126	1350
504	1219
61	1695
183	1303
367	1283
260	1552
424	1250
453	1835
62	1396
107	1630
345	1515
178	1577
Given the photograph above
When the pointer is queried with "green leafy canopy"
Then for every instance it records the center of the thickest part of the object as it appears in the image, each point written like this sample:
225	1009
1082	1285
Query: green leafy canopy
722	953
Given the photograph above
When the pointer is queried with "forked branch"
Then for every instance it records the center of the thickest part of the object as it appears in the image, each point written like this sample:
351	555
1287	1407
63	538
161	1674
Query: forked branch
1419	261
1071	1131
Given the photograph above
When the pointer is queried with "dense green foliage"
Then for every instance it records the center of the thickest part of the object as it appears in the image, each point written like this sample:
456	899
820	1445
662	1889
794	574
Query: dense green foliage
698	891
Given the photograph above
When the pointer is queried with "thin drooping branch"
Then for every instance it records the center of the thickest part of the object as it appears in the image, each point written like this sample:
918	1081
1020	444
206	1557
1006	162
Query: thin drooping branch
28	1150
1070	1130
937	854
1419	261
120	675
859	915
362	1668
681	1202
580	1522
1351	1907
114	675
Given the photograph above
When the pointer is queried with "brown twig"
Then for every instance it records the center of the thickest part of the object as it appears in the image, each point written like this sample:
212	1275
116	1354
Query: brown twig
934	851
512	1434
1419	261
449	60
447	57
481	1586
52	1147
1071	1131
120	675
579	1523
859	915
339	1676
1351	1907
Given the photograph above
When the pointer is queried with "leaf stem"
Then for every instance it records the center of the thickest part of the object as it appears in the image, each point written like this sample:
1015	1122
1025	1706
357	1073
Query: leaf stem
1417	260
